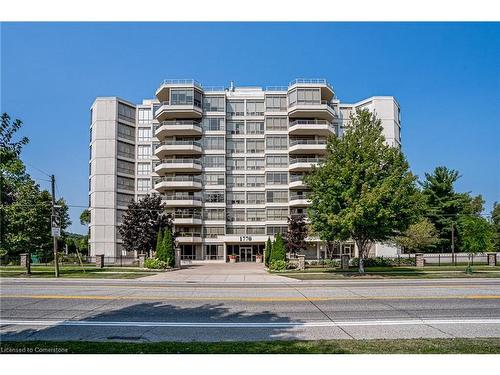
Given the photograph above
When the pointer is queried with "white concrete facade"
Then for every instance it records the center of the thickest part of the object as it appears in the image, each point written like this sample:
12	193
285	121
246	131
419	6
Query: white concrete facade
228	162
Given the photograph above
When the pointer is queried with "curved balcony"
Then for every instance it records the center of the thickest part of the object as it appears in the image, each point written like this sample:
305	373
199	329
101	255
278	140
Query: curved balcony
296	182
311	127
299	200
178	148
188	237
175	200
163	184
167	110
193	218
321	109
178	165
307	146
163	91
303	164
180	127
327	91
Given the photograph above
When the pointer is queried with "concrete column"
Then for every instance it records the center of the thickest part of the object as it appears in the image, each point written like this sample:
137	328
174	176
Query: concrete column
99	261
142	258
302	261
177	257
344	261
492	259
26	262
419	260
318	245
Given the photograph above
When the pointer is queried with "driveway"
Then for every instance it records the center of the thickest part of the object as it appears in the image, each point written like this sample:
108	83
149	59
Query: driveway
220	273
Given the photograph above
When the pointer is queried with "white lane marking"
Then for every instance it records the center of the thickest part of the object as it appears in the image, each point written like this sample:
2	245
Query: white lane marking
250	324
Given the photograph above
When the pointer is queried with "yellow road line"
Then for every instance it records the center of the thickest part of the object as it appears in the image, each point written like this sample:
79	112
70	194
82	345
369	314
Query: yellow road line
248	299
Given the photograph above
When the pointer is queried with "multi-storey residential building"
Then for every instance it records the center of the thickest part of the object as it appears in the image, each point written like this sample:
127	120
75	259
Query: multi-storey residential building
228	162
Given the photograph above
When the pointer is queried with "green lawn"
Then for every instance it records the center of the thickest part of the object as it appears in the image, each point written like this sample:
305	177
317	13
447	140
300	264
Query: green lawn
428	272
71	271
399	346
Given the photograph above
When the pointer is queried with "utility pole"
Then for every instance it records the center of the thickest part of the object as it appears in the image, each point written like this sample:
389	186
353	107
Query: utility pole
453	244
53	185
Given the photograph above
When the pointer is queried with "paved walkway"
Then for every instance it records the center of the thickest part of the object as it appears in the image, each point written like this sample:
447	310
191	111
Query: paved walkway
220	273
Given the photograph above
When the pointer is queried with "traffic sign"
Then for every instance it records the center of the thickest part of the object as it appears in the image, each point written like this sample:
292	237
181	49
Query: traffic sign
56	232
56	221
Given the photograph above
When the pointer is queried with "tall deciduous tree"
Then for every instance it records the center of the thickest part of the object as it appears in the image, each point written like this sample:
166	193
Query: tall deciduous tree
85	217
444	204
476	234
296	234
141	223
364	190
418	237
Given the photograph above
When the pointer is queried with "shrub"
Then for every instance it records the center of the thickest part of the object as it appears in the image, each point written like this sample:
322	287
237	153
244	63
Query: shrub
383	262
278	252
277	265
155	264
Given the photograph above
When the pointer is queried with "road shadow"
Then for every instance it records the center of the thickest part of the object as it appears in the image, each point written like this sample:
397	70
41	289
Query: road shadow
111	322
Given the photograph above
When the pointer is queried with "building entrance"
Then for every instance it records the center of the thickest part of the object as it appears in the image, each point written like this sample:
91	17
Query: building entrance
246	254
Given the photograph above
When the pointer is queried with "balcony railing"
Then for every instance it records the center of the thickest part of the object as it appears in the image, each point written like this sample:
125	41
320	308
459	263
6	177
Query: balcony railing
311	102
188	234
320	81
306	160
177	123
177	161
181	82
196	103
308	142
310	122
296	177
175	197
178	143
178	179
185	215
306	195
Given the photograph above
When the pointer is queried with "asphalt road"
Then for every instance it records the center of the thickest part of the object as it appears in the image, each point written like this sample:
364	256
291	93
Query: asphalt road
135	310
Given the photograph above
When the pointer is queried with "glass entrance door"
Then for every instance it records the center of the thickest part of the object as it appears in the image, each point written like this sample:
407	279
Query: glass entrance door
245	253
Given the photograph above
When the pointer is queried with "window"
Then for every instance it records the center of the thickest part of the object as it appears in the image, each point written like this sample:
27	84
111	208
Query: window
143	184
213	231
125	183
256	214
214	214
144	169
143	151
144	134
125	150
276	123
213	179
213	143
255	163
90	134
254	127
126	113
213	124
255	181
235	127
277	178
126	131
235	180
277	213
145	116
276	142
235	146
119	216
235	229
214	103
276	104
255	146
214	251
304	96
213	161
185	97
255	108
255	197
123	166
235	214
124	199
235	197
277	161
277	196
235	164
274	230
235	108
214	196
256	230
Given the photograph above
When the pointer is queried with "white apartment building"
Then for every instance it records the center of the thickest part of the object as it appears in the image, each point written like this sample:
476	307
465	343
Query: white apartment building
228	162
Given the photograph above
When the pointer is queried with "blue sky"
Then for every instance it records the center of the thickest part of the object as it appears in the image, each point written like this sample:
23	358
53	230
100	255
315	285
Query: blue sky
444	75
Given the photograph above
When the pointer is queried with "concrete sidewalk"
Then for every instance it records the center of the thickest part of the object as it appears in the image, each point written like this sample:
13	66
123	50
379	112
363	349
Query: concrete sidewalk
220	273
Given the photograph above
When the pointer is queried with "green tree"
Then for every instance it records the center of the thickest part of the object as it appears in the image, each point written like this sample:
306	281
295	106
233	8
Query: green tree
159	242
278	249
364	190
269	249
444	204
476	234
85	217
418	237
495	218
168	248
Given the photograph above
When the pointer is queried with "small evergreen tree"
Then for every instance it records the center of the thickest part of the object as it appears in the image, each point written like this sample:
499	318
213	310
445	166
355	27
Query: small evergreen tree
278	252
161	253
168	248
269	249
159	242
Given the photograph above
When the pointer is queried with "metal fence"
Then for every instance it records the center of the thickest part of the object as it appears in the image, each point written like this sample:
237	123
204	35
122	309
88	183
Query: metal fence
72	259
